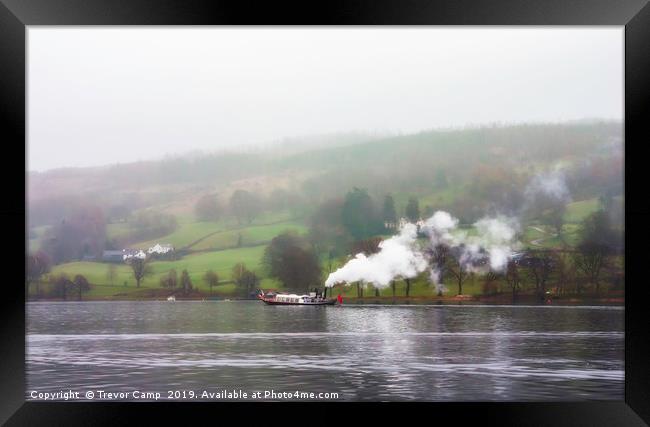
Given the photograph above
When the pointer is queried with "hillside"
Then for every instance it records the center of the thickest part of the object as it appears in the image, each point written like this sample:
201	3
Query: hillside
470	172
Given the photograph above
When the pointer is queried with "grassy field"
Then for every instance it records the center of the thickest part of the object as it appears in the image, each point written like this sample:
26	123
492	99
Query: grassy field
185	234
189	232
577	211
256	234
196	264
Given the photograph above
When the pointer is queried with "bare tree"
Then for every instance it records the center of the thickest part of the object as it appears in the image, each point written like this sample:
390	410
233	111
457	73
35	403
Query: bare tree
170	280
590	259
244	278
438	257
245	206
212	279
565	269
38	264
512	277
141	269
540	264
81	284
456	267
111	273
61	283
490	283
408	286
598	240
186	282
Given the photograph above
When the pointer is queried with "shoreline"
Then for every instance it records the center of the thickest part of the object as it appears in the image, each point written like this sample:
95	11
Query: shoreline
527	300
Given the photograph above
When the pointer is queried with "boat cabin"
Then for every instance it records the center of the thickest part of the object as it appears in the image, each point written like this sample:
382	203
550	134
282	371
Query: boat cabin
291	298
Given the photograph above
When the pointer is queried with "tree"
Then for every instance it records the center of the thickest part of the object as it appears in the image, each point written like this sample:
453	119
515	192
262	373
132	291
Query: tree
211	278
61	283
598	240
438	256
367	247
290	259
38	264
490	283
326	231
456	266
150	224
565	270
79	234
245	206
359	215
540	264
207	208
408	286
244	278
513	278
388	212
81	284
413	209
111	273
170	280
186	282
141	269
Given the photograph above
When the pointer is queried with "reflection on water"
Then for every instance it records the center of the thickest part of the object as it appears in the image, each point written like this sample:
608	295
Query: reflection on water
474	353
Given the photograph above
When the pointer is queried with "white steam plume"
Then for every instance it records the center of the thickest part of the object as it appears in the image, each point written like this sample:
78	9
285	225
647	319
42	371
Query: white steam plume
551	184
398	257
491	246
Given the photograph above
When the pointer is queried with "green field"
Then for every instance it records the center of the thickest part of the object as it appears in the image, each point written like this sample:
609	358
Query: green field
196	264
257	234
577	211
188	233
185	234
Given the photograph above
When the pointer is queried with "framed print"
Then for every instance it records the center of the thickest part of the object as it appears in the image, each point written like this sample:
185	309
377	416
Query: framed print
359	203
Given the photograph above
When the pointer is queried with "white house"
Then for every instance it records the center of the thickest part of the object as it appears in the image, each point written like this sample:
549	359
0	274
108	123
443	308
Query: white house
160	249
130	253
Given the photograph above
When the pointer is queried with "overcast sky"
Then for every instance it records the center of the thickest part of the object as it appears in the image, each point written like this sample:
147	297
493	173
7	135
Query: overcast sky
98	96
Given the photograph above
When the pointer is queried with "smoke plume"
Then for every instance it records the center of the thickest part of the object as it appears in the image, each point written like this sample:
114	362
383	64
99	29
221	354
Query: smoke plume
490	244
551	185
398	257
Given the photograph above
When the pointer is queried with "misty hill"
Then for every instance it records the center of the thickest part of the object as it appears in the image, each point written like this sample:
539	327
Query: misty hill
417	164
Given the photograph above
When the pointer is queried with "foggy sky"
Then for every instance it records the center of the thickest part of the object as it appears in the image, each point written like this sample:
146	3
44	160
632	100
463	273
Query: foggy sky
104	95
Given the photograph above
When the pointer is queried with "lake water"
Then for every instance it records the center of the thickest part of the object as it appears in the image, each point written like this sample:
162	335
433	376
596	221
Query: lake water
381	352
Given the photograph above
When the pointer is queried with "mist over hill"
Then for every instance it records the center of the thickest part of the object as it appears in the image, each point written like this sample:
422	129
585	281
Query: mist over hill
325	167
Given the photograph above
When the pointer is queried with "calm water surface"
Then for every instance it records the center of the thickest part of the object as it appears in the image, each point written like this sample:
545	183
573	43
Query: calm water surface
445	353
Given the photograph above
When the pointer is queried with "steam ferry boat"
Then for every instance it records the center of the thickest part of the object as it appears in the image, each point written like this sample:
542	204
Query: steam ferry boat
313	298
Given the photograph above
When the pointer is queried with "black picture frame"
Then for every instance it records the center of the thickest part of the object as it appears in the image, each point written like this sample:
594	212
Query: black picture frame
15	15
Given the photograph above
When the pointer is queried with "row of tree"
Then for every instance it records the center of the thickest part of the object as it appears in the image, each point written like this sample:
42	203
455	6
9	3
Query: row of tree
62	286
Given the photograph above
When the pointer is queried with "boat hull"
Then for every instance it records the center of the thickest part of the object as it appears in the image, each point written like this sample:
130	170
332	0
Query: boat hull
272	302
